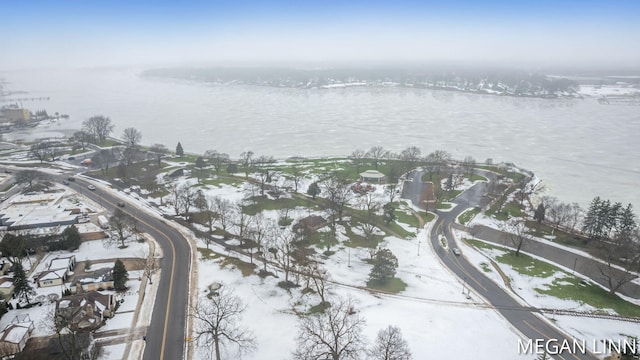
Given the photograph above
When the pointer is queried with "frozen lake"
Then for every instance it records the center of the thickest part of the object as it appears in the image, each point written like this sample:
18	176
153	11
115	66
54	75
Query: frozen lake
578	147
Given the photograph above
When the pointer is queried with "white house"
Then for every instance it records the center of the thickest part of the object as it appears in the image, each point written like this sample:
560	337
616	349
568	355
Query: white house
14	337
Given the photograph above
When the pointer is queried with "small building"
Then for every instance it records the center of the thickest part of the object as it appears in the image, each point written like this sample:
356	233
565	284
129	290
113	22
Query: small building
14	337
372	176
310	224
6	288
87	311
57	272
98	280
16	115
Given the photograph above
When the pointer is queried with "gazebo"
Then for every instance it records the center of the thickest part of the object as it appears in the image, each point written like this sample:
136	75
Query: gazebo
372	176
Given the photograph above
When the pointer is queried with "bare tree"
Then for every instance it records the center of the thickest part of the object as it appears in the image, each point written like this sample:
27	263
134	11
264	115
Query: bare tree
370	208
317	278
518	235
159	150
31	178
295	175
217	159
208	210
103	159
189	194
259	229
151	263
335	334
41	150
619	250
468	164
242	222
82	138
218	325
99	127
357	158
338	194
410	157
131	137
225	211
390	345
391	191
121	226
377	153
246	158
282	250
436	161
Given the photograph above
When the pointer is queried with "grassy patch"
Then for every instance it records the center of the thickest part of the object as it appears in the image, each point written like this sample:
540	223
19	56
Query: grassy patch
485	267
573	288
403	215
483	245
443	206
429	217
8	187
320	308
394	285
476	177
527	265
245	268
468	215
356	240
402	232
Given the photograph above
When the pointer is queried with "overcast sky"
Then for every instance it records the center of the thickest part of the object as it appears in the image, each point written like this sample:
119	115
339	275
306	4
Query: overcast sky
105	33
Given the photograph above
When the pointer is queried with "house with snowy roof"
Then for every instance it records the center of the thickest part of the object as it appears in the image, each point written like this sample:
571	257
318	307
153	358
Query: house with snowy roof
97	280
14	337
85	312
57	271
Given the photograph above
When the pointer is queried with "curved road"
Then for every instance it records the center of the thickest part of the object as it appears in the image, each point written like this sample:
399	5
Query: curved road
521	317
166	333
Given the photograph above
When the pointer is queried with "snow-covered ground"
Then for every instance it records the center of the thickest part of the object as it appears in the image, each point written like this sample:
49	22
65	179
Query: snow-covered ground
435	317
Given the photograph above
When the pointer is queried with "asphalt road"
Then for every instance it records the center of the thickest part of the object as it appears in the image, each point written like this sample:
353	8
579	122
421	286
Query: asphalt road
521	317
166	333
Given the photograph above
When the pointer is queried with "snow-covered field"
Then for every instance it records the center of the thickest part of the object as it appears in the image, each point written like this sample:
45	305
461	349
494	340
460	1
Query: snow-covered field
435	318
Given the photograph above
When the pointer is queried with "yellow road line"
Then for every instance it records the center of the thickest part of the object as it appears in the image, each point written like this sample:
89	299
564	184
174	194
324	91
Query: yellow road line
173	266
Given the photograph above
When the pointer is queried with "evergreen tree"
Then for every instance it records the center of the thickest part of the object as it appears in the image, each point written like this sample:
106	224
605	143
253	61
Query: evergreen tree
179	150
313	190
22	287
538	215
591	224
626	222
120	276
449	183
71	238
384	266
389	212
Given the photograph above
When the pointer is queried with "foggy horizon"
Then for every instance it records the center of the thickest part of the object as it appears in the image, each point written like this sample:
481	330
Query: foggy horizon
567	34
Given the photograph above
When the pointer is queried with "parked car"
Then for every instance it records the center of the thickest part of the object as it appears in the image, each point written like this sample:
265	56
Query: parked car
71	178
65	182
456	251
120	204
72	158
3	198
91	187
